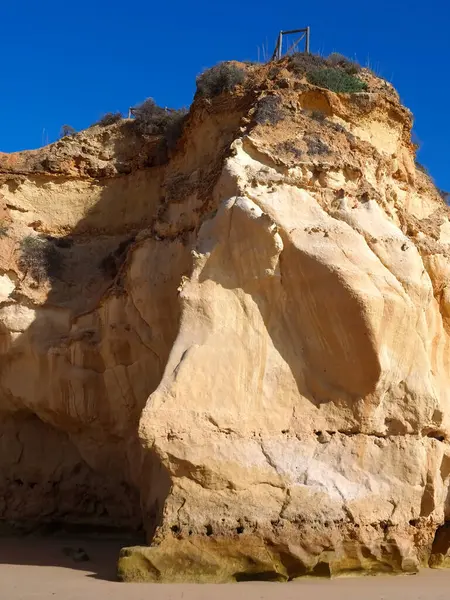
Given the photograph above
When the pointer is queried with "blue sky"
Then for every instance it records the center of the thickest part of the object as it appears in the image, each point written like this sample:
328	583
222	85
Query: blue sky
70	62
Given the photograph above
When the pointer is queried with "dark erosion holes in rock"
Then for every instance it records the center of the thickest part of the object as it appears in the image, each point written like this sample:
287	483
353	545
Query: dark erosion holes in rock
441	541
259	576
292	564
321	569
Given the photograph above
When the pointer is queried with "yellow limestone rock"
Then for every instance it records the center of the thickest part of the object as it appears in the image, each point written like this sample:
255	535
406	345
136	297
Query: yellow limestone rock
242	347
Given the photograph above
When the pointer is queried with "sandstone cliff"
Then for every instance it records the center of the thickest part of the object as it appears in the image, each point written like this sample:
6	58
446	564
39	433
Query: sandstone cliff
243	349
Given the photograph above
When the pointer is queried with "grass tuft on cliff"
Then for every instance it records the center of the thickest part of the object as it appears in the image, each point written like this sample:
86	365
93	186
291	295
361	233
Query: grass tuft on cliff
223	77
40	258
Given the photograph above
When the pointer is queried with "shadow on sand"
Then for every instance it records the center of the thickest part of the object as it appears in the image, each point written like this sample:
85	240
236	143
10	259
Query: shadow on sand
96	557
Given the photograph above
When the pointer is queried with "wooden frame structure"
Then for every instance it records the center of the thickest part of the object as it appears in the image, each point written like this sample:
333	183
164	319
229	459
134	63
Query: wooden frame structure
304	35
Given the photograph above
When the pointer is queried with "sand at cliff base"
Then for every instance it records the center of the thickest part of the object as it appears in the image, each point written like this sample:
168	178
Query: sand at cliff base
38	569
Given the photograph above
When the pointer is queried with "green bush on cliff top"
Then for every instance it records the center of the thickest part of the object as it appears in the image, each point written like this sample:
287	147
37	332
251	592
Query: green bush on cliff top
335	73
336	80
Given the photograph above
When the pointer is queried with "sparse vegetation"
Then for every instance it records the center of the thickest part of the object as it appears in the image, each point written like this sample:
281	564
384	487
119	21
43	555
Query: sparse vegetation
339	60
442	193
422	168
415	139
151	119
179	186
289	147
339	128
321	117
316	145
336	73
67	130
174	126
109	119
40	258
318	115
223	77
337	80
445	196
273	72
302	64
269	110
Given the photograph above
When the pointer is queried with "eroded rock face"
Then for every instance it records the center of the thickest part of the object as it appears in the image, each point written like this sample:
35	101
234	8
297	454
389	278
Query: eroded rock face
253	338
93	248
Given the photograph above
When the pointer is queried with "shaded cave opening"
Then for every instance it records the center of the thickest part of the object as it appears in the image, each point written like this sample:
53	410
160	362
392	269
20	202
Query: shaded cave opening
47	487
441	544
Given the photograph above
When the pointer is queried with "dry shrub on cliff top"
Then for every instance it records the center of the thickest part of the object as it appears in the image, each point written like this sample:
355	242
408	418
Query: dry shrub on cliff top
302	64
3	230
67	131
151	119
339	60
40	258
109	119
224	77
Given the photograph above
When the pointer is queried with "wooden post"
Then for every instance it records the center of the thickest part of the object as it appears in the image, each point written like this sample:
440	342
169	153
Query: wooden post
295	44
278	52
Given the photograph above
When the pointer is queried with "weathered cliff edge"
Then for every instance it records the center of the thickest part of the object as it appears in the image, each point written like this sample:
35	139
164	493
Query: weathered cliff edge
244	348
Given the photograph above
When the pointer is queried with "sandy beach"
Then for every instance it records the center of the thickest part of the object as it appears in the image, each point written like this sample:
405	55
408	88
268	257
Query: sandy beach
41	569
